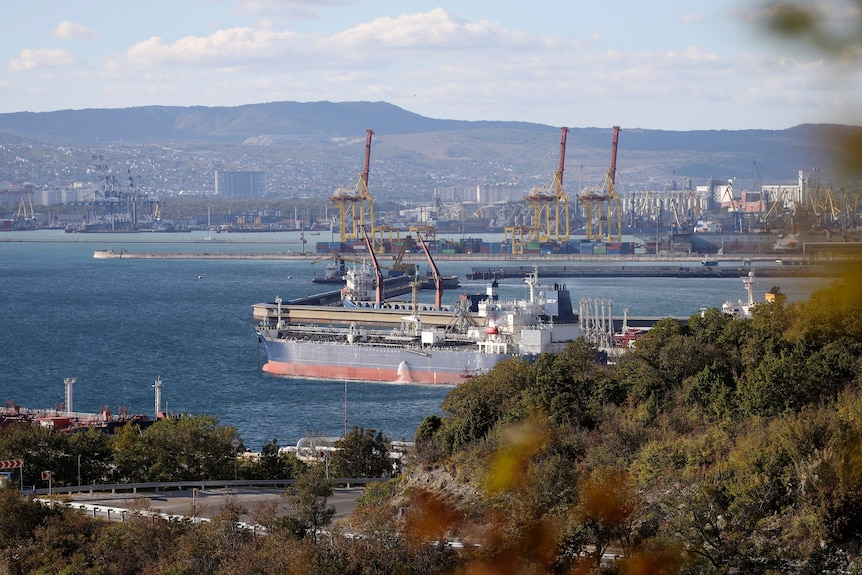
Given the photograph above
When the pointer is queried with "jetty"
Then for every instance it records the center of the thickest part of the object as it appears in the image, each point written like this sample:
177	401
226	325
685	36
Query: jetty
656	271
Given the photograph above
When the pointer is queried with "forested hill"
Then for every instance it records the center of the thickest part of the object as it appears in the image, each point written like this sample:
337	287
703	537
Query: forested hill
723	445
778	153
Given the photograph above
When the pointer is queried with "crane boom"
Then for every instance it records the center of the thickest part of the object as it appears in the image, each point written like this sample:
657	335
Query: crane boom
438	280
351	203
612	171
559	175
378	291
364	175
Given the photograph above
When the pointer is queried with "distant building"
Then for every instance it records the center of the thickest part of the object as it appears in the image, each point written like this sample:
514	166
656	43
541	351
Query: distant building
483	194
242	184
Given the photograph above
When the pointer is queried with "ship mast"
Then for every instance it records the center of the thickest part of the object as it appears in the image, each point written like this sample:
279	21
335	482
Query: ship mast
158	387
69	382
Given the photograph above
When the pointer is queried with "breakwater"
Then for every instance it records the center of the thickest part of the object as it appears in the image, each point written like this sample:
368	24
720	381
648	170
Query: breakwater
656	271
578	265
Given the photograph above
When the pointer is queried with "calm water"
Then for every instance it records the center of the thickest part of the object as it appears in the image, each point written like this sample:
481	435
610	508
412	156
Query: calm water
115	325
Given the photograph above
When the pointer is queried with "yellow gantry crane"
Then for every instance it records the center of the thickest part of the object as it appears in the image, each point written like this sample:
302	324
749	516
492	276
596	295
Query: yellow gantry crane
550	205
24	215
594	204
351	202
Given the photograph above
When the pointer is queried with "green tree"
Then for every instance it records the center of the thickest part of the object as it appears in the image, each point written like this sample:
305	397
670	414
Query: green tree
20	518
563	383
90	452
478	405
361	453
42	450
714	390
308	499
708	327
189	447
427	447
131	455
272	464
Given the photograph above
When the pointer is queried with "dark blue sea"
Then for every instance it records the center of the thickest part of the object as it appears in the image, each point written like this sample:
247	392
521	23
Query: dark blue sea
115	325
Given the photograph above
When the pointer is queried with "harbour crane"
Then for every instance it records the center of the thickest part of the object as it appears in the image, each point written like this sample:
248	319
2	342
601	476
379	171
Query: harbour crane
438	279
351	202
378	290
550	204
594	202
25	216
397	264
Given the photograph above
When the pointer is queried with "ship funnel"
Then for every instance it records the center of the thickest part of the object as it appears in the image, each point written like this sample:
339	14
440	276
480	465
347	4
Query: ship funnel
404	375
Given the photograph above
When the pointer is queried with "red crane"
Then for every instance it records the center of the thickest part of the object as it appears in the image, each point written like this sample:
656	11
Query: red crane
438	280
378	290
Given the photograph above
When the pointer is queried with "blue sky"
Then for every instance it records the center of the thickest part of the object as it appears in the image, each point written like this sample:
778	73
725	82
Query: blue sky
662	64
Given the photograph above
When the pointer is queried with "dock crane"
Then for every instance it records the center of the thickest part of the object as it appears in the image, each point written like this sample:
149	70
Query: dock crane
549	205
438	279
594	202
614	211
398	264
25	216
351	202
378	288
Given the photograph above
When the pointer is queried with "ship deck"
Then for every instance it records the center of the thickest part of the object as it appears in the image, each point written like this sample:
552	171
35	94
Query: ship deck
324	315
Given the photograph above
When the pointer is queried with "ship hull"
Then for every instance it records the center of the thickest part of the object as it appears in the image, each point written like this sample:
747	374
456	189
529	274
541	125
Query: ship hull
394	364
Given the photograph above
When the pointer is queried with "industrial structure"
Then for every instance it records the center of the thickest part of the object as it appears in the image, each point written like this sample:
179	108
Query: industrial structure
356	204
602	207
113	208
721	213
550	204
240	183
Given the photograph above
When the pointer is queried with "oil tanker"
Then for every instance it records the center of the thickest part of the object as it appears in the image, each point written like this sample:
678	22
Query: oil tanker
370	338
414	343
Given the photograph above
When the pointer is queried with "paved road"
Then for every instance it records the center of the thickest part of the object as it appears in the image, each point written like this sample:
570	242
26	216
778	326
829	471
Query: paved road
209	502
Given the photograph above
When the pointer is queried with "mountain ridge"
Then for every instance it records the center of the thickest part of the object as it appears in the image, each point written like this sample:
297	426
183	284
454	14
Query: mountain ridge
253	136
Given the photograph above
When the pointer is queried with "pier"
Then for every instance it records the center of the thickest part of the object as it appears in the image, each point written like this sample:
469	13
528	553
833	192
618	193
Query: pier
557	265
656	271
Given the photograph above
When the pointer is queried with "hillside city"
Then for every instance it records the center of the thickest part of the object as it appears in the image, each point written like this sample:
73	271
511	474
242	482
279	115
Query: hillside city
53	185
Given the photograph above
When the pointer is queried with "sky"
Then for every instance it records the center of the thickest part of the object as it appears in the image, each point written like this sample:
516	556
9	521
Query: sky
662	64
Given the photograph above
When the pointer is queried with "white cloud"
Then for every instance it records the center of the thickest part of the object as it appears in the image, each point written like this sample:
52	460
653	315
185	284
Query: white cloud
68	30
224	47
433	35
295	8
440	64
691	17
33	59
437	29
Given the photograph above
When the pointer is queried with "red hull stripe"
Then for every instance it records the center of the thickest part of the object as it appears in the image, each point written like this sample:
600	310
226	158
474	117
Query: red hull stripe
359	373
